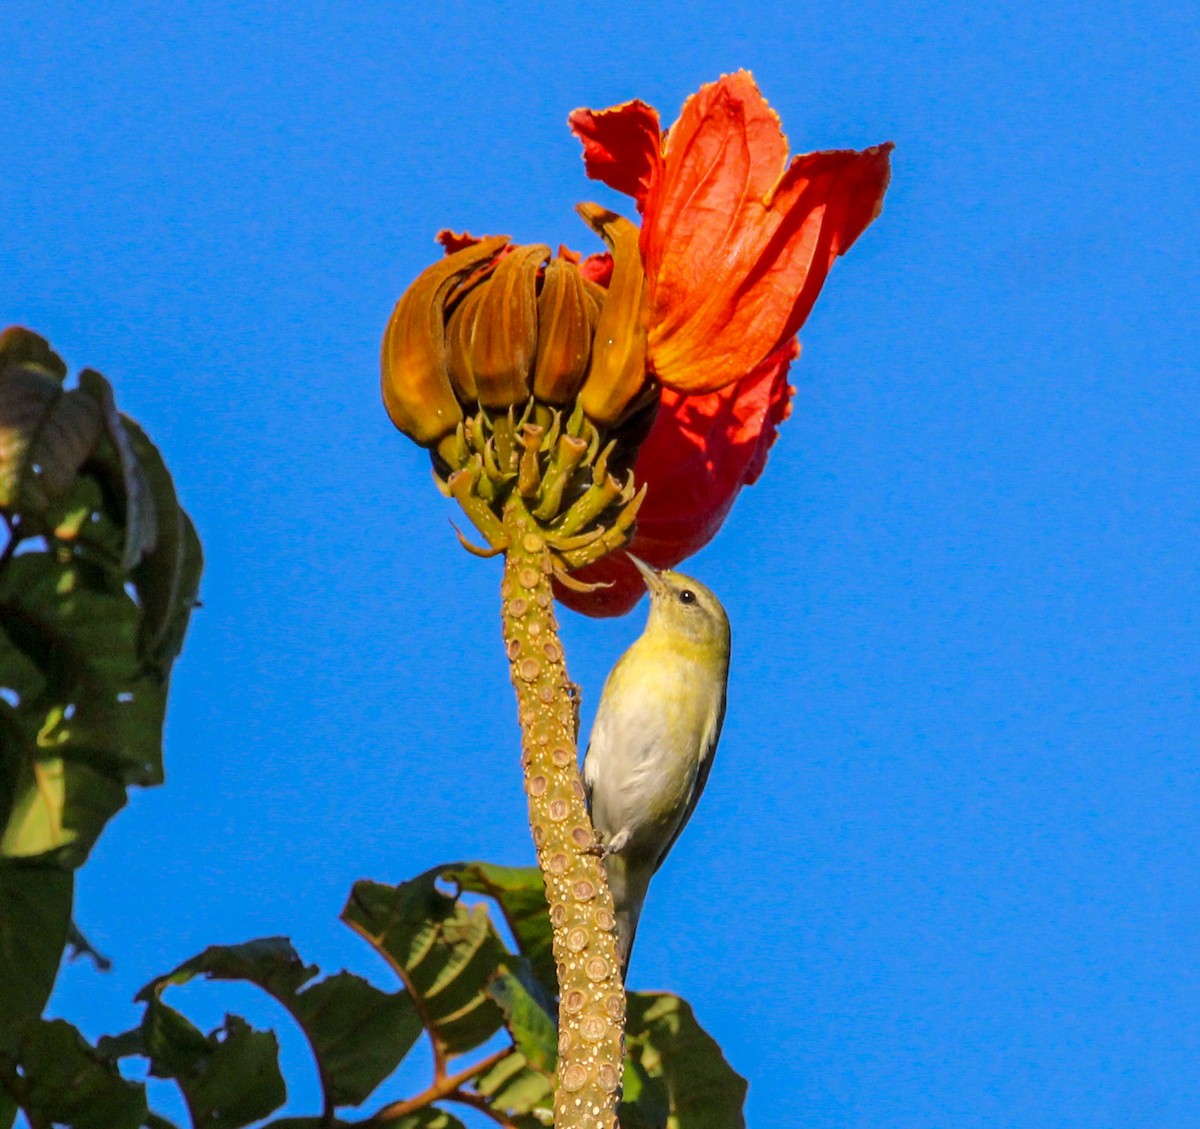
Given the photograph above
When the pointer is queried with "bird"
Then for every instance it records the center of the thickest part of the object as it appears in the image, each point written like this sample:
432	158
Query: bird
654	738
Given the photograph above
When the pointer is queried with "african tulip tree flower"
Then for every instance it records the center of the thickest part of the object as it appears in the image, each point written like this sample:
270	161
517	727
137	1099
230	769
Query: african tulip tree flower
736	243
551	376
565	399
699	454
736	239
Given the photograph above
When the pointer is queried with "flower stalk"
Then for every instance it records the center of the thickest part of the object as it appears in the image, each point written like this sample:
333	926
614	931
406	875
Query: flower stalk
591	1016
554	393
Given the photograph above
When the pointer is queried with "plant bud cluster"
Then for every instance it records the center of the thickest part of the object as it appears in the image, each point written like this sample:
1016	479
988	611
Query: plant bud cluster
523	375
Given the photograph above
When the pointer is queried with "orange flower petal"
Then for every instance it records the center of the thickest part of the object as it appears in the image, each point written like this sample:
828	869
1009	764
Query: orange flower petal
621	146
737	241
701	451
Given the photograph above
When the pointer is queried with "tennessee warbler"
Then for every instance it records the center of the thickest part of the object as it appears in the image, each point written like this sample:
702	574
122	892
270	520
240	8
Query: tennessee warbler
654	737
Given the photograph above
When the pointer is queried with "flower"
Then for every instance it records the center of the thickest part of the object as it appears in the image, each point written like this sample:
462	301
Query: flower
700	452
538	381
736	242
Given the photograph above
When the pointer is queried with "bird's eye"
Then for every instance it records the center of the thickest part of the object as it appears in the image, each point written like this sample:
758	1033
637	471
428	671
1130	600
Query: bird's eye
687	596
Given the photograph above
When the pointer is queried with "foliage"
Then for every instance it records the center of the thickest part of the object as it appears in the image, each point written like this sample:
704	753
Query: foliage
459	983
98	578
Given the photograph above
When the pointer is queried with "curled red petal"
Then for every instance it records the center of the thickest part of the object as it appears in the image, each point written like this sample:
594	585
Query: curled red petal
736	240
701	451
452	241
622	146
597	268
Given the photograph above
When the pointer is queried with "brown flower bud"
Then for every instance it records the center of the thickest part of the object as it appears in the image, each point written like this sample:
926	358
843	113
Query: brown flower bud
566	315
416	382
618	369
494	331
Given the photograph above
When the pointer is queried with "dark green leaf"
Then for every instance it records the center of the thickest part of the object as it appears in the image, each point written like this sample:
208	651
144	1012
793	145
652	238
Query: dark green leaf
309	1123
155	1121
358	1033
82	947
444	952
428	1118
271	963
46	434
521	894
229	1079
123	1045
64	1081
85	643
529	1014
21	346
675	1072
168	578
35	914
85	521
59	810
122	472
515	1087
94	723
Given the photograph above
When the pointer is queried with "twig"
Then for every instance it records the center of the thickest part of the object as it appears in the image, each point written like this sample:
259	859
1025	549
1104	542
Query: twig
442	1088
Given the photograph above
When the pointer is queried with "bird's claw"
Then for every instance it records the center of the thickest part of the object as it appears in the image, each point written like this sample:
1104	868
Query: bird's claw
615	844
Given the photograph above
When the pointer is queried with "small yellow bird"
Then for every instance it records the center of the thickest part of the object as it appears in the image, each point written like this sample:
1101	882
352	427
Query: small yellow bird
654	737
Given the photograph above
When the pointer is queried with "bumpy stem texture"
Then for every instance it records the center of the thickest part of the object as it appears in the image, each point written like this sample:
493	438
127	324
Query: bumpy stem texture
591	1017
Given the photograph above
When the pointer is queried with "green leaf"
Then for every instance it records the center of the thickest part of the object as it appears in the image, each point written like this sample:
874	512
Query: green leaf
675	1073
89	623
443	951
64	1081
92	725
156	1121
521	894
515	1087
529	1014
229	1078
46	434
122	472
35	916
270	962
168	578
430	1117
21	346
309	1123
358	1033
59	806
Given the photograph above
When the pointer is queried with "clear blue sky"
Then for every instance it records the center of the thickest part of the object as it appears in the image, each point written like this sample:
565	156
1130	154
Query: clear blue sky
945	872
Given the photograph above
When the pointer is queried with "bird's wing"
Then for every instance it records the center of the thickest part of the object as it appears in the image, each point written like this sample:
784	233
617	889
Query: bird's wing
587	779
708	745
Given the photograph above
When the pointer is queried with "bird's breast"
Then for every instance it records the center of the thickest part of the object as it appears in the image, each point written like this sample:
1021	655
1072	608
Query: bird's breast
645	751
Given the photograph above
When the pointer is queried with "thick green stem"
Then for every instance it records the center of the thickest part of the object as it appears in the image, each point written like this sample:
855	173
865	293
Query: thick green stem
591	1017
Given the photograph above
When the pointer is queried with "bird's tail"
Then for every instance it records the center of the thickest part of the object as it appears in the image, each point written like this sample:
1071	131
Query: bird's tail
628	885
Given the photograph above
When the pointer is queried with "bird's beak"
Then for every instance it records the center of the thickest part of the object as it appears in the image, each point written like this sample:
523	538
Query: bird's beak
654	583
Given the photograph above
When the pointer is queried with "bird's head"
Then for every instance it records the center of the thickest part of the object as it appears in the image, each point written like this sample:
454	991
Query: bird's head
684	609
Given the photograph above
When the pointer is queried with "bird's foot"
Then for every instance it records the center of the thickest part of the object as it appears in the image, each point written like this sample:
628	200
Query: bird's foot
616	843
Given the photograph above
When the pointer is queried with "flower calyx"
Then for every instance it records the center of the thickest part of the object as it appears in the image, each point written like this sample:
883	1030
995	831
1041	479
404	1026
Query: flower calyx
557	466
526	379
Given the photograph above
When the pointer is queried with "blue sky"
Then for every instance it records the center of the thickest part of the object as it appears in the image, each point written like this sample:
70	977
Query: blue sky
945	870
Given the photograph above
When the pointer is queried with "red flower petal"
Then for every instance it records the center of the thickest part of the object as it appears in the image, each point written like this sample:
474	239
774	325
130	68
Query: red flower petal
621	146
701	451
736	242
452	241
